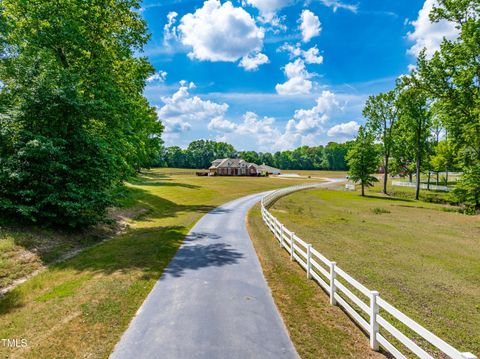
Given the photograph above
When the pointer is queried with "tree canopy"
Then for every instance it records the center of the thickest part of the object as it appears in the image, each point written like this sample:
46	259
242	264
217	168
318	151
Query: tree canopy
73	119
363	159
382	114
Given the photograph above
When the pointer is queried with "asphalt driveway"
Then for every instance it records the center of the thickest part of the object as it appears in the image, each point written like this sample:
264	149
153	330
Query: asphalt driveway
212	300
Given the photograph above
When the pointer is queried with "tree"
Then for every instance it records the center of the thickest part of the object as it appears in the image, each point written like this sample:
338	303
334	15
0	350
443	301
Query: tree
175	157
335	154
443	159
363	159
468	190
266	158
250	156
381	113
73	120
451	78
414	123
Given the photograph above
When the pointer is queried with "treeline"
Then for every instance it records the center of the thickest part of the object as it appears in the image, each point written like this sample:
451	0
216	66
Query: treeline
430	122
201	153
73	119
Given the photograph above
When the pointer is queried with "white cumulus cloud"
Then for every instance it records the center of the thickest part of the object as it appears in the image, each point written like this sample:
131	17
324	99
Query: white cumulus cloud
310	25
307	121
269	8
252	62
311	56
252	128
346	130
159	76
298	82
428	35
220	32
182	109
170	30
221	125
305	128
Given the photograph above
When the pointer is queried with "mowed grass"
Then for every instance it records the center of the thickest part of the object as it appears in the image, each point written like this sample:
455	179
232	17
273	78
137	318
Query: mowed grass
79	308
317	173
431	196
422	259
317	329
26	250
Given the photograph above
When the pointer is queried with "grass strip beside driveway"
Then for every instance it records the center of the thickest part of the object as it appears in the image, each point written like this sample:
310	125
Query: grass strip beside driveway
80	308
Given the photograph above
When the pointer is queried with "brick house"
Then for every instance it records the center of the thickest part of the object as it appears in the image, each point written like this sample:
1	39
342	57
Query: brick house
239	167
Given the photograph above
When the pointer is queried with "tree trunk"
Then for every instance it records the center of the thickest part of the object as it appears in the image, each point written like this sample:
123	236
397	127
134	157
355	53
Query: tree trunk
410	177
363	189
428	181
417	192
385	175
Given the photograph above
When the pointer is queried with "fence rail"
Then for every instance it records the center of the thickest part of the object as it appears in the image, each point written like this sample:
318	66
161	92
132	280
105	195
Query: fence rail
432	187
365	306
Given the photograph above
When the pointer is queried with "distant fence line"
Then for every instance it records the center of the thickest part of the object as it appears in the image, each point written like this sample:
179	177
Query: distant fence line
368	314
422	186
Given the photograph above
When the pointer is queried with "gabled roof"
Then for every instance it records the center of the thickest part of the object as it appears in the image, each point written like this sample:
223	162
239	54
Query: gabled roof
228	163
238	162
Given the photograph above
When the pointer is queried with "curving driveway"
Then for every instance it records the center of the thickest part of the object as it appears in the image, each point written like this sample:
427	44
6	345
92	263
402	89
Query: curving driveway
212	301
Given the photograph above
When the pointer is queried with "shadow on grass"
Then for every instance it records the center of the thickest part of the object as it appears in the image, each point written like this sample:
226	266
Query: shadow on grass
148	250
395	199
163	184
51	244
155	207
10	301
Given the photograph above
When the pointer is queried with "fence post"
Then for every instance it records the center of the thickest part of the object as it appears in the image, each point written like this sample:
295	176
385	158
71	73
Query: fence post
333	289
373	320
282	231
309	260
292	248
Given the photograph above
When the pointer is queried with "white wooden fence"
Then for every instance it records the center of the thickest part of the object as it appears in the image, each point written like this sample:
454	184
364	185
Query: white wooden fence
372	312
433	187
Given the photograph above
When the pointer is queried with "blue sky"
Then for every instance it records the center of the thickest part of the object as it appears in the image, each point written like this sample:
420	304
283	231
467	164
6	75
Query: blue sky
272	75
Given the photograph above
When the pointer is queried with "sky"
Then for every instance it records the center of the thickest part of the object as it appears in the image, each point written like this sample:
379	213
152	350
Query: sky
270	75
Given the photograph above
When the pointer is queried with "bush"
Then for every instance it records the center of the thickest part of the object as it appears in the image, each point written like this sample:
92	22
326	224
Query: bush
467	190
56	182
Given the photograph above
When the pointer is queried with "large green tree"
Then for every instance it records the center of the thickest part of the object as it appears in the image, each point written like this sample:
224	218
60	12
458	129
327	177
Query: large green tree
415	122
363	159
452	79
73	119
381	114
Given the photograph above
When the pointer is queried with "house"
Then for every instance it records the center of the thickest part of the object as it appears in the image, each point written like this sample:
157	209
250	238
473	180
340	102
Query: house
238	167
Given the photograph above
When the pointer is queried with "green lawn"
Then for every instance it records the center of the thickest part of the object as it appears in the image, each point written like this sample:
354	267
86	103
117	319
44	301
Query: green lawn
26	250
422	258
317	329
440	197
318	174
79	308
